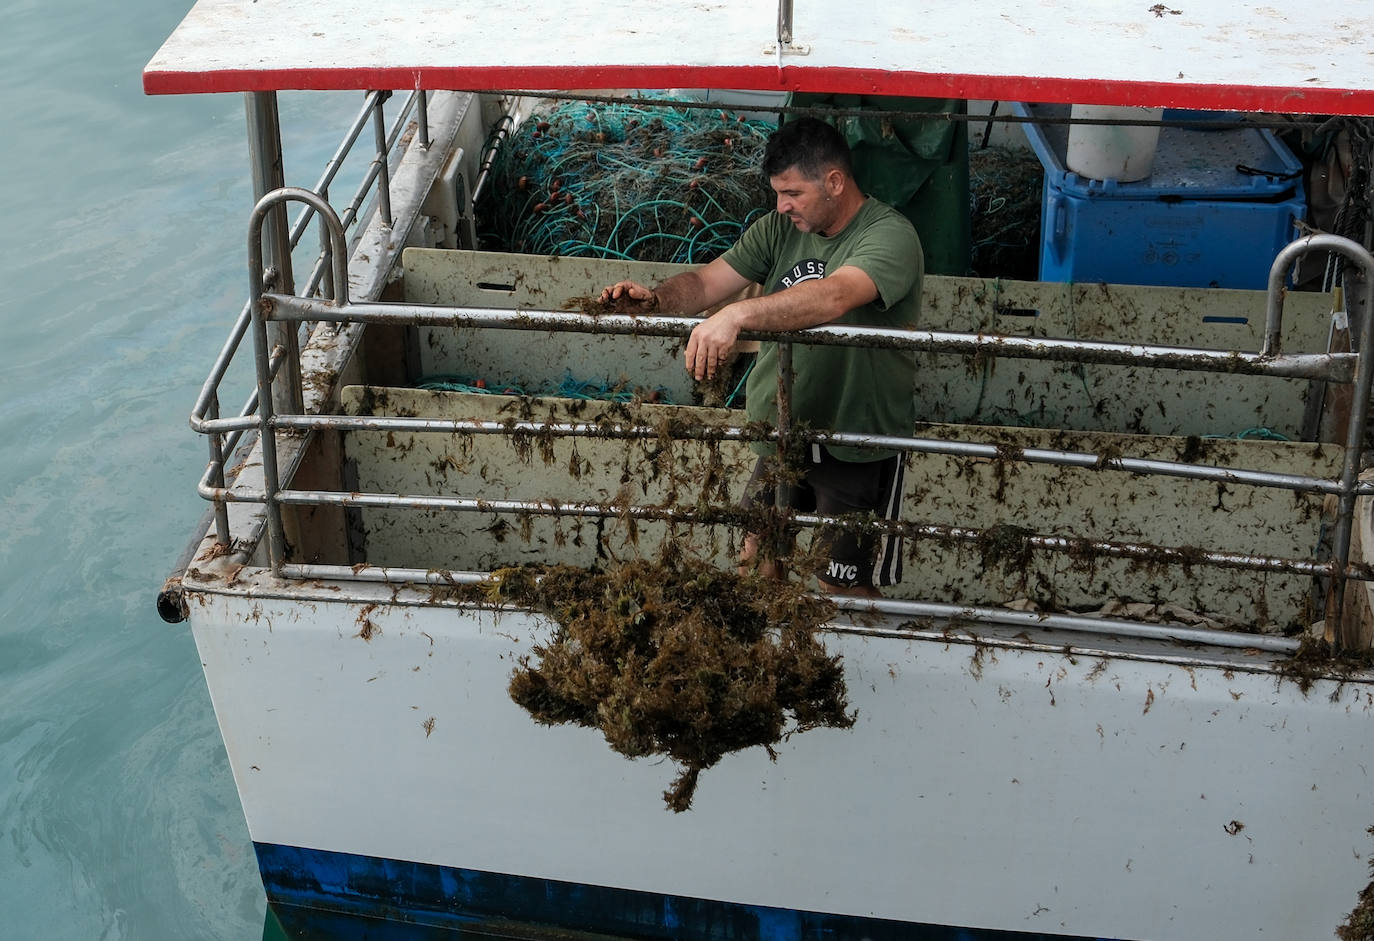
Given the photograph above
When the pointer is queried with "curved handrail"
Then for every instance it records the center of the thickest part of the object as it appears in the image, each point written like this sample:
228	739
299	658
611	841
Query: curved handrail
330	219
261	354
225	433
1278	271
1359	407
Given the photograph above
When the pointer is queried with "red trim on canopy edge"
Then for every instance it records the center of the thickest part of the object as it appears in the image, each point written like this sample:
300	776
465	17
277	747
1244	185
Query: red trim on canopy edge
1315	100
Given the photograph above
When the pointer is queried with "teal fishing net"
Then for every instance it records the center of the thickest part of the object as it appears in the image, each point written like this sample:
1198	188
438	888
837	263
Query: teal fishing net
569	387
626	181
1005	186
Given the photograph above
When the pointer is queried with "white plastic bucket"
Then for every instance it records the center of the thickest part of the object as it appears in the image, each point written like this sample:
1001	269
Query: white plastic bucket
1109	151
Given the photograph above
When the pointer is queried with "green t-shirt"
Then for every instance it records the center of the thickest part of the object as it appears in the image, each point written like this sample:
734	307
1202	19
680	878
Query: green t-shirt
840	388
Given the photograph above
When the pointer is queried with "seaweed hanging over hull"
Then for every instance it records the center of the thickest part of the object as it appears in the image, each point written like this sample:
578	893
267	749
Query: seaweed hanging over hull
679	659
1359	923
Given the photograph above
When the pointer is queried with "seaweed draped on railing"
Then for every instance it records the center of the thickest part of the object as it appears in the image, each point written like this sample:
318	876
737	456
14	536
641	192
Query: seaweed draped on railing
1269	361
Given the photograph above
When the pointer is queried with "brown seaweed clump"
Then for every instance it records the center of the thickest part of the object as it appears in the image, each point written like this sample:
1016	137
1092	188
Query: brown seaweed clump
1006	546
680	659
1316	659
1359	924
624	304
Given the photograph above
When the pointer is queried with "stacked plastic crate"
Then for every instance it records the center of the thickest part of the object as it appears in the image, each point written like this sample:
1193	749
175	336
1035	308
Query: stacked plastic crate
1215	210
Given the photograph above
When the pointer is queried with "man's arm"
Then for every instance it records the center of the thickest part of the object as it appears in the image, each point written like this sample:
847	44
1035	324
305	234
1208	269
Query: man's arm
803	305
690	292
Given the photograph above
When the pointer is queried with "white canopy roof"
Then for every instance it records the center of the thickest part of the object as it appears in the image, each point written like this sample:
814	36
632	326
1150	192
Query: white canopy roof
1312	57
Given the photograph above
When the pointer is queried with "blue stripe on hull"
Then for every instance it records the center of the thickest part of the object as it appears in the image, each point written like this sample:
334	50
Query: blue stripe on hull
347	895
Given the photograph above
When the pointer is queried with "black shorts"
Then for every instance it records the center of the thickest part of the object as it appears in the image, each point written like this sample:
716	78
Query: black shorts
832	487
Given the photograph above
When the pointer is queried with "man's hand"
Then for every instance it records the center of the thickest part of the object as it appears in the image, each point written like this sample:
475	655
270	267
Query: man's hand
710	343
631	289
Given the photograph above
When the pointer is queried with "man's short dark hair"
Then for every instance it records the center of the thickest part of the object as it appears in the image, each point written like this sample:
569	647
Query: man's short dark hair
810	145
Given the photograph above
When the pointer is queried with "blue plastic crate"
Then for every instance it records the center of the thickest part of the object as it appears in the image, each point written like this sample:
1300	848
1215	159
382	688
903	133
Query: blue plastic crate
1215	212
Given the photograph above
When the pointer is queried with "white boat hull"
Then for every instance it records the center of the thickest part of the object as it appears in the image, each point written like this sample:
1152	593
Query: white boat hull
1005	785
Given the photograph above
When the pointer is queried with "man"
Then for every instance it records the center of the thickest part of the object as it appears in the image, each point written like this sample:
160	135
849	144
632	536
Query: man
828	254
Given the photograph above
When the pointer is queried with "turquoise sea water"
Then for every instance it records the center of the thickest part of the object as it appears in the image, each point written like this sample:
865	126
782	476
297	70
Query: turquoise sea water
122	268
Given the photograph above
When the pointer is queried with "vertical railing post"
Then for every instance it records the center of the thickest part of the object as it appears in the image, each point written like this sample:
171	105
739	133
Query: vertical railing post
783	490
217	478
1356	288
424	119
1354	450
327	251
265	158
785	22
262	360
383	171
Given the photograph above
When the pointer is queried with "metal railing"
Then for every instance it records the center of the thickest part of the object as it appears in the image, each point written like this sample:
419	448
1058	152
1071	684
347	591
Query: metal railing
266	307
328	276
